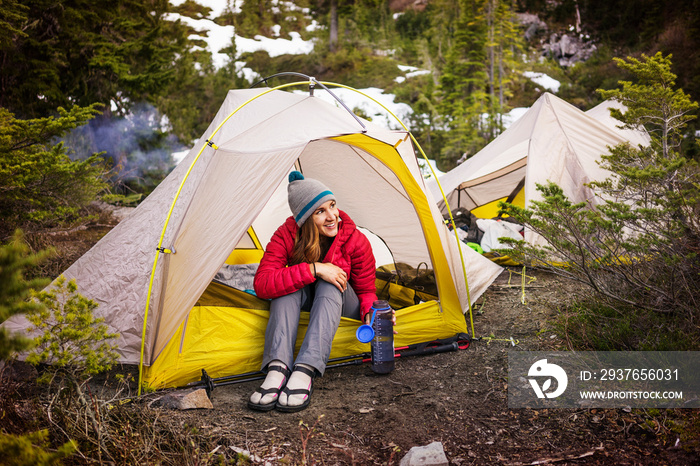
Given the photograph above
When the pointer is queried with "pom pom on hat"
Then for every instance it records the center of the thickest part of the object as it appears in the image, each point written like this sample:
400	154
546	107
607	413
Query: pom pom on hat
295	175
305	195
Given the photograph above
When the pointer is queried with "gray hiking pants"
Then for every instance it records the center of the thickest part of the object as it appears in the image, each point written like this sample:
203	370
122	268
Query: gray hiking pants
326	304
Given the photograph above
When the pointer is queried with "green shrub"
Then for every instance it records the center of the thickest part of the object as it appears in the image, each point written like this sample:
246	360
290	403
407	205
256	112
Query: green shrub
594	326
15	258
40	187
31	450
73	343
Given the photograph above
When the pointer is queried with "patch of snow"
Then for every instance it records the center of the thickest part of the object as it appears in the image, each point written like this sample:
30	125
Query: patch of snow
178	156
217	37
425	168
513	116
417	73
242	70
314	26
217	6
275	47
410	71
375	112
405	68
543	80
165	125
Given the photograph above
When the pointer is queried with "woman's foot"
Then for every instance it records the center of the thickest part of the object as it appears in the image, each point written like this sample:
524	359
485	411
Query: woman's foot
265	397
297	394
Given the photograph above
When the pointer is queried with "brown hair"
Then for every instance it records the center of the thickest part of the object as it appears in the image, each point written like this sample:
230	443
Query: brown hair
307	244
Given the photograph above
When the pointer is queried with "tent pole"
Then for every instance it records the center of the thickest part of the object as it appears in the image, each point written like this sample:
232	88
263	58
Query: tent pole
312	82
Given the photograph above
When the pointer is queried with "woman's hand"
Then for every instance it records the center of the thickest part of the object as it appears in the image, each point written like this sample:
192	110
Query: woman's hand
368	318
332	274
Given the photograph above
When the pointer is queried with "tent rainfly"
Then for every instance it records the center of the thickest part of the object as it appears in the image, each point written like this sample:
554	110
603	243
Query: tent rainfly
553	141
601	112
222	203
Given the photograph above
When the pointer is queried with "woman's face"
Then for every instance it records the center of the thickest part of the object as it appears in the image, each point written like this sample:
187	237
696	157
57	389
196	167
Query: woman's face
326	219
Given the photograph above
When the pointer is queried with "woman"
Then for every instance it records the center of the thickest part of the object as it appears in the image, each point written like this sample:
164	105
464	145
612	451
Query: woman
319	262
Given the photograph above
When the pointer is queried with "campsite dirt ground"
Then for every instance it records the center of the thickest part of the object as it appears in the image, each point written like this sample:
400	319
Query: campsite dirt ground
457	398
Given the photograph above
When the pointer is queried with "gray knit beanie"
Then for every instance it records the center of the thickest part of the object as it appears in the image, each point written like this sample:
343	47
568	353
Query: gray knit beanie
305	195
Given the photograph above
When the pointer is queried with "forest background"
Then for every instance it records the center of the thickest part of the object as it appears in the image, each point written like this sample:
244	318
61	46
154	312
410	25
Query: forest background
73	71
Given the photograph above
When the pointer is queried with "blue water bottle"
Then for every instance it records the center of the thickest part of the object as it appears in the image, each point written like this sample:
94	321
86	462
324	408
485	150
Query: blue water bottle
382	345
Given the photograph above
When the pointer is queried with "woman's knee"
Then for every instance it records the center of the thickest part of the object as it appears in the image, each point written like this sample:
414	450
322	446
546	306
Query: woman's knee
328	291
288	303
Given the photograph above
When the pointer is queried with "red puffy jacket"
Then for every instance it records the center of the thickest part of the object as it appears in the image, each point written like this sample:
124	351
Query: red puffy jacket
350	251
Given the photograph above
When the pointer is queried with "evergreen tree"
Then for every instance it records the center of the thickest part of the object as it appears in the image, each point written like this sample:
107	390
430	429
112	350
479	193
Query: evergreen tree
503	47
73	342
15	291
462	84
40	186
197	91
444	15
255	18
12	14
653	103
474	83
58	53
74	345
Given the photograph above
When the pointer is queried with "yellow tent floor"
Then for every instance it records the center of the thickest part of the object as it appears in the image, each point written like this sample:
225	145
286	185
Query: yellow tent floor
225	333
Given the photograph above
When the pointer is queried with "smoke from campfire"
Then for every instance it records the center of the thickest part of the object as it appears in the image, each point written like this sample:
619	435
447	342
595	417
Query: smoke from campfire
138	147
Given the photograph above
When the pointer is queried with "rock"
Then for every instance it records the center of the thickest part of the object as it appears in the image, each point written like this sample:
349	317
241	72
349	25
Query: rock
532	24
568	49
118	212
192	399
429	455
567	46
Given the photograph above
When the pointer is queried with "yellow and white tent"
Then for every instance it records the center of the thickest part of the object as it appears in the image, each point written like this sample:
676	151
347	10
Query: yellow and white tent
553	141
229	191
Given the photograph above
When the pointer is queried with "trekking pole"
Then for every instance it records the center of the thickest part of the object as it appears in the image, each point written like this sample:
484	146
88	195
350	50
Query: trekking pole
459	341
210	383
445	345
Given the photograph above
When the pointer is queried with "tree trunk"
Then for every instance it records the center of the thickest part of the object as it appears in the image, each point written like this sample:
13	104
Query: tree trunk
491	20
501	71
334	26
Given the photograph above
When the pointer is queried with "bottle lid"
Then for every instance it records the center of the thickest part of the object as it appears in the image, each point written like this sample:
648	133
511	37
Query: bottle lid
381	305
365	333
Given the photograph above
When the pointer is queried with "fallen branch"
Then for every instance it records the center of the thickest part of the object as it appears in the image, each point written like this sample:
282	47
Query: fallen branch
564	457
517	286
